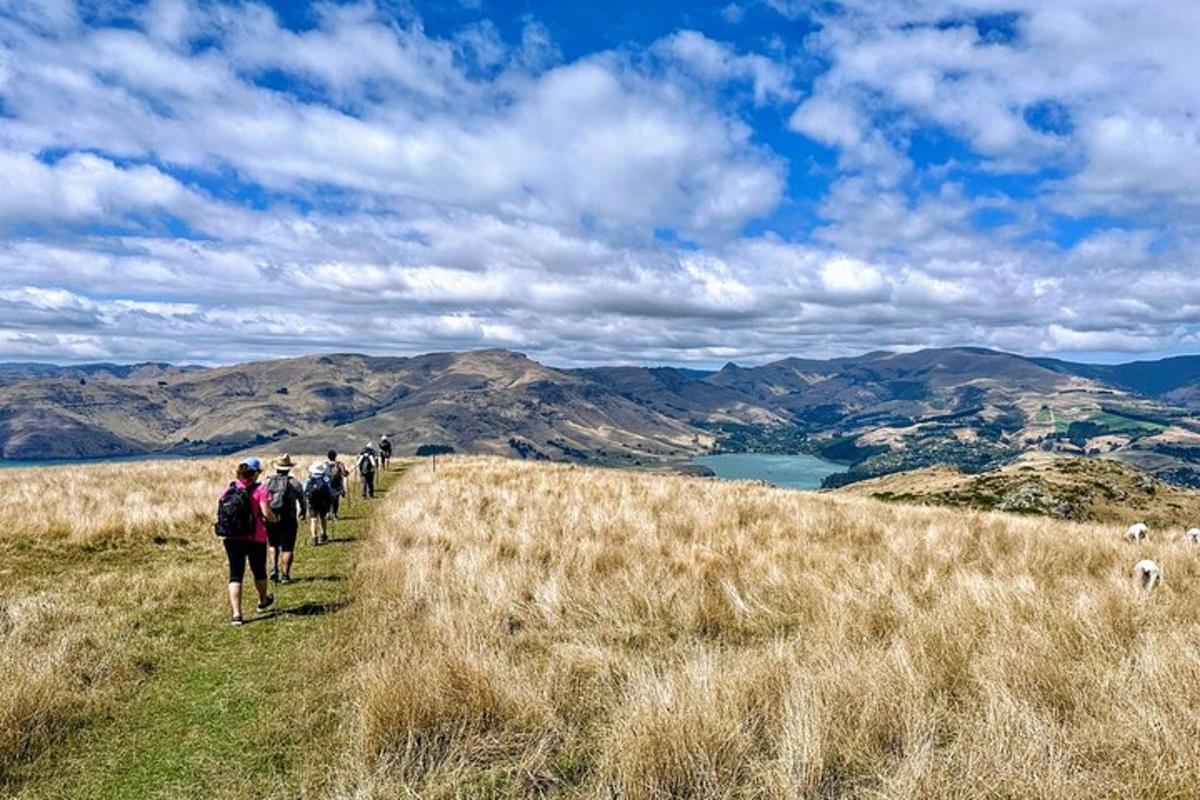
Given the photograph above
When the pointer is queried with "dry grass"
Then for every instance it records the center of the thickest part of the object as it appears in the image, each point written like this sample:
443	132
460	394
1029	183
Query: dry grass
89	554
536	629
114	502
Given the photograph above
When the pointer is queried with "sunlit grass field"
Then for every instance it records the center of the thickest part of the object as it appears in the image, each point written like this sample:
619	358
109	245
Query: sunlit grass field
514	630
85	555
528	629
120	671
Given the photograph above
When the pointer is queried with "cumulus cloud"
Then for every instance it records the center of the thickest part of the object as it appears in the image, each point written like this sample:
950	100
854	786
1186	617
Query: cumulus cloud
209	184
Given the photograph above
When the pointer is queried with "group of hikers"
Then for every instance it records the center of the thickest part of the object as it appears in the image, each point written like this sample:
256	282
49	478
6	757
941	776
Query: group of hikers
257	519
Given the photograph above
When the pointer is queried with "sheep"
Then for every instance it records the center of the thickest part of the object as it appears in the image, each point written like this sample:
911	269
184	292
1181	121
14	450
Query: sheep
1137	532
1147	573
1193	536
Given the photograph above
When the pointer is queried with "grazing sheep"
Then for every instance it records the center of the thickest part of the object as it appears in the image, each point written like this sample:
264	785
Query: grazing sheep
1147	573
1193	536
1137	532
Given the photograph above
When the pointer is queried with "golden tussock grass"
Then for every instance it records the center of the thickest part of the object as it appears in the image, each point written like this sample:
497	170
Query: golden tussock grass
536	629
88	554
107	503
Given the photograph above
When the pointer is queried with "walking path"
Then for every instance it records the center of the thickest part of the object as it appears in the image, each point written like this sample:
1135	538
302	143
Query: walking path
249	711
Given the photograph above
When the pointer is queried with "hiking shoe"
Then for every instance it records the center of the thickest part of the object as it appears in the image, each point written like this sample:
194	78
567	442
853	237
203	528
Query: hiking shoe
286	579
274	576
237	620
324	538
264	605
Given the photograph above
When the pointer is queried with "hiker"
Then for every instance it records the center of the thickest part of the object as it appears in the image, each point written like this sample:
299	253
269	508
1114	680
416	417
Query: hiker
319	496
338	475
287	495
242	514
365	466
385	452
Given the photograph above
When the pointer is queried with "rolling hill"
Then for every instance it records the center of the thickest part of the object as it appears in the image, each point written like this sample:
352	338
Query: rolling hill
1081	489
878	413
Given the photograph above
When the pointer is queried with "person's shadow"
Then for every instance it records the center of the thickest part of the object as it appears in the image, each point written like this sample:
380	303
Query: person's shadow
312	609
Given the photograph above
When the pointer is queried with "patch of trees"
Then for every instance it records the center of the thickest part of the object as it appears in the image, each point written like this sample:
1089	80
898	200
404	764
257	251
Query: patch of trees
1080	431
567	450
527	450
969	457
847	450
435	450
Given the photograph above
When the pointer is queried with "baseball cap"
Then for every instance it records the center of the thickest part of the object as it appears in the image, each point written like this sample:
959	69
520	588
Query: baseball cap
253	463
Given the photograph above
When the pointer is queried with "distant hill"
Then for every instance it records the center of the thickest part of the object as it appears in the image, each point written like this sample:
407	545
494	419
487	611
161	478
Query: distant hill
11	372
1176	379
488	401
1092	490
878	413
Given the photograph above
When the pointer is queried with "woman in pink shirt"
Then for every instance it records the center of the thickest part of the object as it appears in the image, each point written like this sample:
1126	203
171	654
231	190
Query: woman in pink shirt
254	548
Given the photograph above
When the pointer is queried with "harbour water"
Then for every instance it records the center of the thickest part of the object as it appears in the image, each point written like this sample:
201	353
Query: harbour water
787	471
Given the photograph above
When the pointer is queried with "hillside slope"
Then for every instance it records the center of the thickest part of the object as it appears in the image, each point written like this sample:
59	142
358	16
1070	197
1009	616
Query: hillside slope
1071	488
878	413
646	637
490	400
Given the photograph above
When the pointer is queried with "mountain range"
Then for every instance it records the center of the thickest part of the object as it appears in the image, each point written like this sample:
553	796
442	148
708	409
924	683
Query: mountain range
878	413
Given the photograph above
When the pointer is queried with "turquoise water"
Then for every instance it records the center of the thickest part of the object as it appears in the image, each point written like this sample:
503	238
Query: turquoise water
790	472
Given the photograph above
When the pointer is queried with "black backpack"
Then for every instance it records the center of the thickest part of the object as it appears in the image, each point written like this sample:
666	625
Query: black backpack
235	513
333	473
385	447
317	490
366	464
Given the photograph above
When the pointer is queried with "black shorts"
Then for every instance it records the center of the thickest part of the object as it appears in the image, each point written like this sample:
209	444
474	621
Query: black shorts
283	534
238	551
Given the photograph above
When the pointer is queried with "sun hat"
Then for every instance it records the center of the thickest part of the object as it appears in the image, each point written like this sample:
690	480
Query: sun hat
318	468
252	463
285	462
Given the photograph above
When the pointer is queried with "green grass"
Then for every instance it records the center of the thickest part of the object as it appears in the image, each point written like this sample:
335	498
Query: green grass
1117	423
222	711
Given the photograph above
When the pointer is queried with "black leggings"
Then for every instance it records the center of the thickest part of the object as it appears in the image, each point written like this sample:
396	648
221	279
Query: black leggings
238	550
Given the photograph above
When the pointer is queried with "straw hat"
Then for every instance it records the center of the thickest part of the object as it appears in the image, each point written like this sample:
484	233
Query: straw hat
285	462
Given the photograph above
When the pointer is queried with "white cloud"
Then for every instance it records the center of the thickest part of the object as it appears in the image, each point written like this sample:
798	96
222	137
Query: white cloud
829	121
597	138
468	191
1112	79
81	186
718	63
847	279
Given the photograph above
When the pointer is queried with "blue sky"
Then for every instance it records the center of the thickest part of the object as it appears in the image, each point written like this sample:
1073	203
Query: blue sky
598	182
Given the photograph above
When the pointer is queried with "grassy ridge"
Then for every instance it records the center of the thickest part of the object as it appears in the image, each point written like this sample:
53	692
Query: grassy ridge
152	694
543	630
546	630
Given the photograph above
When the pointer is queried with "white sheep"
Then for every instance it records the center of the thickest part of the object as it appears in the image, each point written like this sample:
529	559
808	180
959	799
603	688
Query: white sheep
1193	536
1137	532
1147	573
